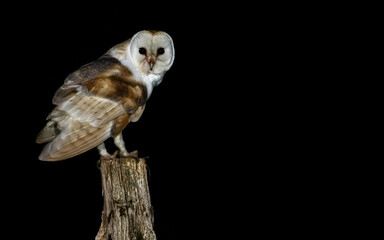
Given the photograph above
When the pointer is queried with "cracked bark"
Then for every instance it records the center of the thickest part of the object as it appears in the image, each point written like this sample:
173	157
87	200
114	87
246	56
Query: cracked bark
127	213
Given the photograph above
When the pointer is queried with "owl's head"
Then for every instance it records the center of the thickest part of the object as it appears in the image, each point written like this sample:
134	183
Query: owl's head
151	52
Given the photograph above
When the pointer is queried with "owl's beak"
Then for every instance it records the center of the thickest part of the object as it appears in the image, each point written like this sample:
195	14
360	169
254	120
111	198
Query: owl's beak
151	61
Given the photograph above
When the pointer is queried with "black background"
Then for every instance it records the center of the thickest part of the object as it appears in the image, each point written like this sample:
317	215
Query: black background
235	135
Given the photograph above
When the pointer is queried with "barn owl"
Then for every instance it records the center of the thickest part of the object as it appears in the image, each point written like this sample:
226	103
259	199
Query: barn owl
98	100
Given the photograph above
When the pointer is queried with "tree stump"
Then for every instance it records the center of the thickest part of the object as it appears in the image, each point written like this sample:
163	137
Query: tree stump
127	213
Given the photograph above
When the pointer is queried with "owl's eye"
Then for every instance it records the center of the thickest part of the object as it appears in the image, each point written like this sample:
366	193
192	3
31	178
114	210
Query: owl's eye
142	51
160	51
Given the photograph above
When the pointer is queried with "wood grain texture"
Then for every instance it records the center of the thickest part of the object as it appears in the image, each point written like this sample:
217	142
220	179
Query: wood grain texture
127	213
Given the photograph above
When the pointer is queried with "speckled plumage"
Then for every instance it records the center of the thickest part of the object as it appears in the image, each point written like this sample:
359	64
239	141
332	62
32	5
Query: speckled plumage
98	100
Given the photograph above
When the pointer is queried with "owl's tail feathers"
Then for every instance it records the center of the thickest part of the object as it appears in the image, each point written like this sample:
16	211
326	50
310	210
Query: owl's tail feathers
73	139
55	119
48	133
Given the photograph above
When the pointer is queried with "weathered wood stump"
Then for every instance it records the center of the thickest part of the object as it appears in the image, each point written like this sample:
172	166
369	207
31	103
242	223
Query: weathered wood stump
127	213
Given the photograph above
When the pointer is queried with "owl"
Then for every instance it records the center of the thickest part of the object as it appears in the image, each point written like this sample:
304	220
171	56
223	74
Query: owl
99	99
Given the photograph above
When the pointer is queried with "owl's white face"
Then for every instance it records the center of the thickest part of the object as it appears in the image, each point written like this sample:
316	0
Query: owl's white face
152	52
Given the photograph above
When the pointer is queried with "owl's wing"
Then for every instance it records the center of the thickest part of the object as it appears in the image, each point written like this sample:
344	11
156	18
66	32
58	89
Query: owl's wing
87	112
77	125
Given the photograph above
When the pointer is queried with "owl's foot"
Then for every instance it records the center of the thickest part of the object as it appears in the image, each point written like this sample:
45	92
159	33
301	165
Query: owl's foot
133	154
106	156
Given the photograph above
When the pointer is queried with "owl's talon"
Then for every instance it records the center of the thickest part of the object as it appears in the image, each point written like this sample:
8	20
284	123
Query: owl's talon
115	154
